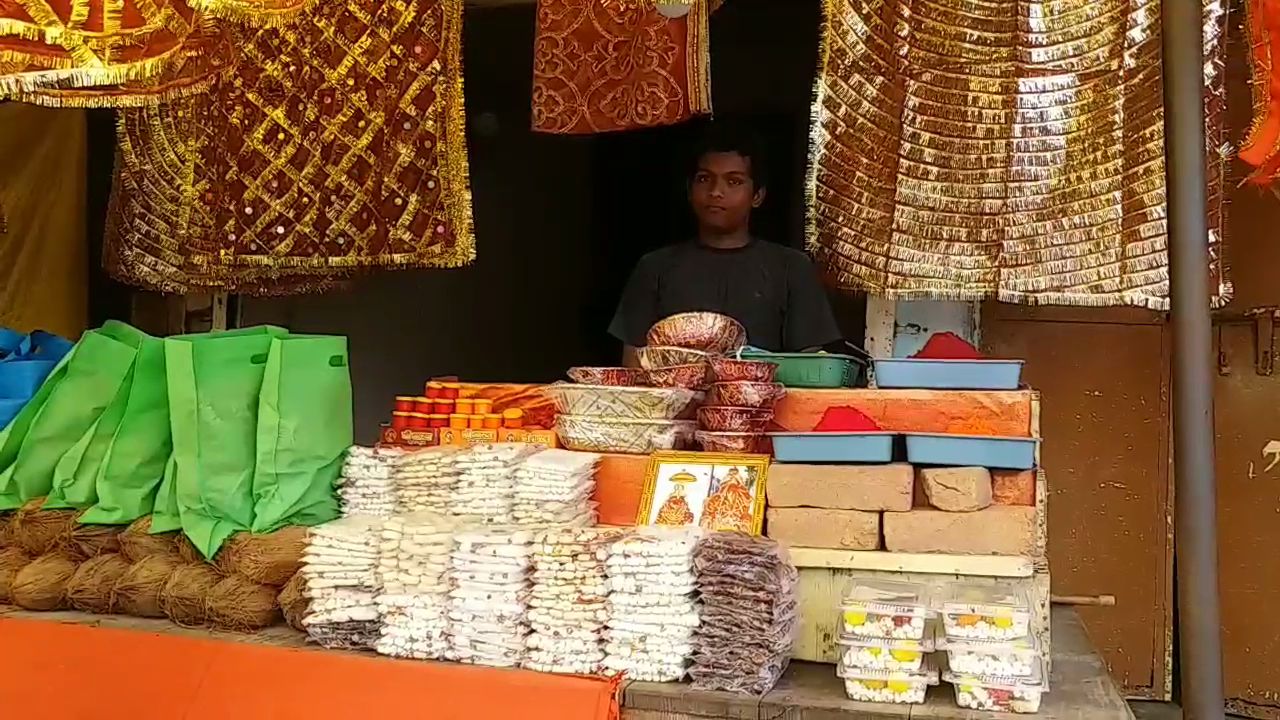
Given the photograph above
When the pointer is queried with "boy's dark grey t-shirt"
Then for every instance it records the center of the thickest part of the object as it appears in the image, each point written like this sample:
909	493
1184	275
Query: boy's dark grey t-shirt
774	291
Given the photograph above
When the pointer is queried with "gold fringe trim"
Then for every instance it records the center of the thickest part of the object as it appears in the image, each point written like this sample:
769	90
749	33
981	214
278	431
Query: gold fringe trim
259	14
66	72
698	57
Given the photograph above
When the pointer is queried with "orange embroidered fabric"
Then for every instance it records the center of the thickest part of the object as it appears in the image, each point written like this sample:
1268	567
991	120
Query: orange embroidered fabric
1261	148
78	43
336	145
117	53
604	65
205	54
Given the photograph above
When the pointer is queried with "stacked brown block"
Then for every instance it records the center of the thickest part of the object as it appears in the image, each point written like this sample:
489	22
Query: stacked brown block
897	508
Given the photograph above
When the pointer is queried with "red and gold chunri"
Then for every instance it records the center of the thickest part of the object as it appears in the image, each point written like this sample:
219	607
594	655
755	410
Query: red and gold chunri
603	65
1261	149
336	145
967	150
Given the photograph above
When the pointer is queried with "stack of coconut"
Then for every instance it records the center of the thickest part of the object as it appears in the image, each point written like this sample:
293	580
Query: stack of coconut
554	487
50	561
489	602
413	567
484	493
652	610
340	573
568	602
424	480
366	486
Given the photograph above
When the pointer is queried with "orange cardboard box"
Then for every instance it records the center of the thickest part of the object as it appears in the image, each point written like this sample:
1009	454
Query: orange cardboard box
619	485
478	436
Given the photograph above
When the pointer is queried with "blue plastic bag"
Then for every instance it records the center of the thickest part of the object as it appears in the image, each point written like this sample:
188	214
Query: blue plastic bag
25	362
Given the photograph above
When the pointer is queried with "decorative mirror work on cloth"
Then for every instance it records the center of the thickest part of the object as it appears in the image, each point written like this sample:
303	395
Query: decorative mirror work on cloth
603	65
337	144
967	150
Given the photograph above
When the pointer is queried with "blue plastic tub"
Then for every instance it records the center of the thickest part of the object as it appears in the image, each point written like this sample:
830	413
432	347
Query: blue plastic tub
948	374
1009	453
833	447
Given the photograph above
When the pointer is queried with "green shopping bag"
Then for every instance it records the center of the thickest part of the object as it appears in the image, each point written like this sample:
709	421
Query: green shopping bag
89	383
213	382
165	514
132	467
304	429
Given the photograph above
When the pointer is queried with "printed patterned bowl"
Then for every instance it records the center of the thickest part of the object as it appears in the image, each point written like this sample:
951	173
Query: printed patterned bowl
731	442
611	376
708	332
722	418
731	370
639	437
635	403
693	377
660	356
745	394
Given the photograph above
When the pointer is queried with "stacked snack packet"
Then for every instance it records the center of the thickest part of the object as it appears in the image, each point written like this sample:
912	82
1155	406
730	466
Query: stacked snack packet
554	487
749	614
652	610
488	605
365	486
484	492
413	568
568	602
340	569
885	641
424	479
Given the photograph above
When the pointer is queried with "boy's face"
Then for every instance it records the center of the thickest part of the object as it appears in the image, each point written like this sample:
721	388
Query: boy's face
722	193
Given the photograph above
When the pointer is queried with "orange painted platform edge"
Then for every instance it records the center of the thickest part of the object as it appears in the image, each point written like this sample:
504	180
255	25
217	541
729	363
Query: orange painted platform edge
55	671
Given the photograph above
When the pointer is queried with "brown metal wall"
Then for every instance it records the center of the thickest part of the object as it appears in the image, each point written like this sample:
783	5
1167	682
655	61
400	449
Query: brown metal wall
1247	411
1104	384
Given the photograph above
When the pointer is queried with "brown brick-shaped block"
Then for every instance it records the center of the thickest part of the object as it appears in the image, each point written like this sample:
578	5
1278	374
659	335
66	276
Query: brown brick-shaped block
823	528
1013	487
1008	487
997	530
957	489
841	487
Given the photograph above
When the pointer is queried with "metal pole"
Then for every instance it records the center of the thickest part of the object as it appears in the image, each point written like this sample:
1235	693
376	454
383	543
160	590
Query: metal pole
1195	499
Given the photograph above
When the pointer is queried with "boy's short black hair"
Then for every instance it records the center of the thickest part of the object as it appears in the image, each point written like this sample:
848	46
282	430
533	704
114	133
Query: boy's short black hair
723	137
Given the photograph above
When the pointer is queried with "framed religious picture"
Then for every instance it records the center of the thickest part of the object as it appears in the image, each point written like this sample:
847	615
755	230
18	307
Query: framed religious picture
715	491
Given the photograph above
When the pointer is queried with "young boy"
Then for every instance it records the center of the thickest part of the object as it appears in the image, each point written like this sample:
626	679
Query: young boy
772	290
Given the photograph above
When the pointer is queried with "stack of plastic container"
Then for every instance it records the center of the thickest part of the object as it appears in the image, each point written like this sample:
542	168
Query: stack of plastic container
489	603
365	486
554	487
885	640
484	492
995	663
413	567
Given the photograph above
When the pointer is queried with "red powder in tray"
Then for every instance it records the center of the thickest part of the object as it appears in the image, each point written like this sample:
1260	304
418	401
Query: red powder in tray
845	419
947	346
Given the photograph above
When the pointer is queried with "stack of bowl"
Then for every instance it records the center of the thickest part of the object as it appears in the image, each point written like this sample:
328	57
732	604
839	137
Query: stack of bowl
739	406
680	347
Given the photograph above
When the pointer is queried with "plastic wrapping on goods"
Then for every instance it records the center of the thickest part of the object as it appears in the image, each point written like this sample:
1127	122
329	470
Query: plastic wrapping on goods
42	583
90	589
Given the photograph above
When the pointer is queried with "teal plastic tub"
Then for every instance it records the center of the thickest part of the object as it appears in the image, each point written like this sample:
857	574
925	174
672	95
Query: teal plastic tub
824	447
814	370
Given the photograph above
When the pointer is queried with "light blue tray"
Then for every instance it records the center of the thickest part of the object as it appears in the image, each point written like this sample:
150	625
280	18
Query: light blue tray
831	447
1011	453
948	374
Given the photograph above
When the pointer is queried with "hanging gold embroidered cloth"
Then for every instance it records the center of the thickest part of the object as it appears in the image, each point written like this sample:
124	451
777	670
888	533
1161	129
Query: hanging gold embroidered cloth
603	65
1002	149
120	52
336	145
